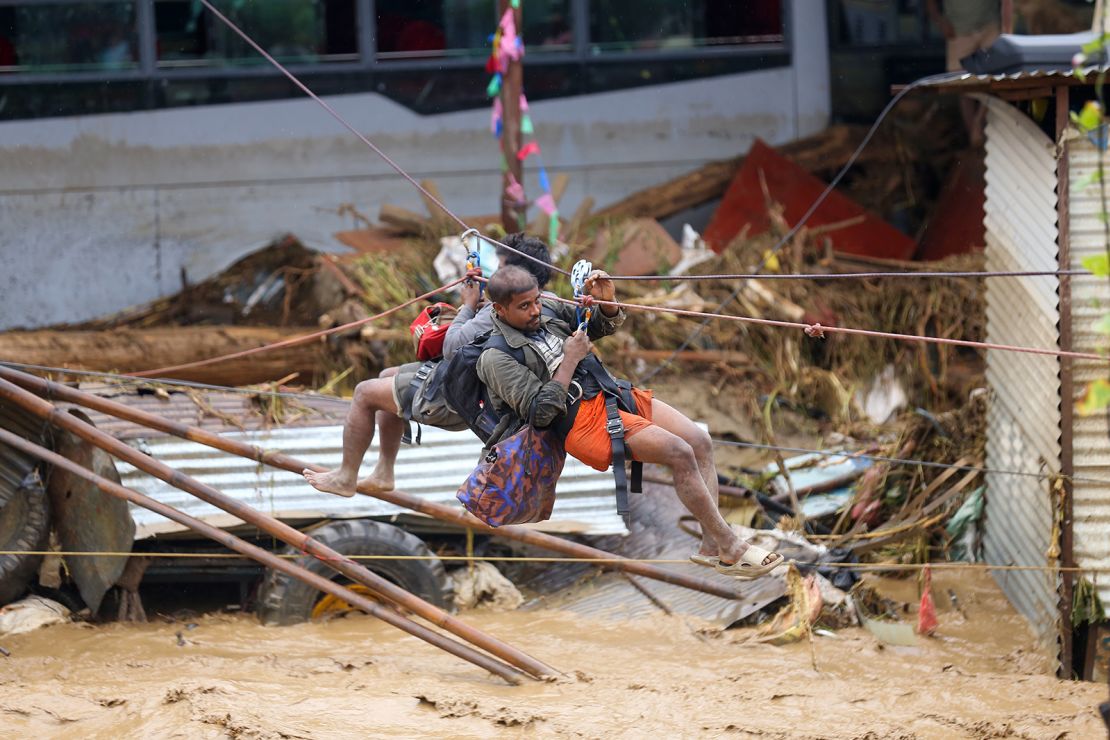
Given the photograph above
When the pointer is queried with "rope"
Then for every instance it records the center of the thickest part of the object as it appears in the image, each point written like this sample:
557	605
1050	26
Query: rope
292	341
905	461
396	167
852	275
818	331
806	216
731	443
537	559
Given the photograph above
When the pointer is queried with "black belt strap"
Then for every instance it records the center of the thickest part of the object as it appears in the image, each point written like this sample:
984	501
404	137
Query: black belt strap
630	406
615	427
422	374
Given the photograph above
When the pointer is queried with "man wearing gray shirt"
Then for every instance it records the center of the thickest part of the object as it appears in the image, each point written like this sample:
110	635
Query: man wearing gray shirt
391	397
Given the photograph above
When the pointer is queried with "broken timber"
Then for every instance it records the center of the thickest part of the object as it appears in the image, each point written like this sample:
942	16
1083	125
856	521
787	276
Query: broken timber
456	516
120	349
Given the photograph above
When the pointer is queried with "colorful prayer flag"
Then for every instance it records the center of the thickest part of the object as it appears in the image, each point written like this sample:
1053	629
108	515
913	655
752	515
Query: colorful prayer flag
530	148
546	203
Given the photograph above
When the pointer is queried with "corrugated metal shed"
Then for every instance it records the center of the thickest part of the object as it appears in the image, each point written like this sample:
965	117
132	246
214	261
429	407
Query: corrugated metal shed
433	470
1023	431
1091	435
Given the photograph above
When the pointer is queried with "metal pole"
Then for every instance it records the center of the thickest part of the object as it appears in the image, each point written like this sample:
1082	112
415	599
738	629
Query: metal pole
1067	384
267	559
380	586
50	389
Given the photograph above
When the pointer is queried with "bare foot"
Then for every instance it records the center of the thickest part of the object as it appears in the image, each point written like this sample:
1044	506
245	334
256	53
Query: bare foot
376	482
331	481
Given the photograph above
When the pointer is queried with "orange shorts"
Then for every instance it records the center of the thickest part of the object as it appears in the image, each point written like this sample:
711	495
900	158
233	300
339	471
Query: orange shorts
589	442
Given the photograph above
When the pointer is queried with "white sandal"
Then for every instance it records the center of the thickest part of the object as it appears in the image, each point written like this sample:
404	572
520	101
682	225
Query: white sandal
709	561
750	564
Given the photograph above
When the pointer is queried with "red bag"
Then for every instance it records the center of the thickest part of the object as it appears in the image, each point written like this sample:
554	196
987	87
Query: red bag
429	329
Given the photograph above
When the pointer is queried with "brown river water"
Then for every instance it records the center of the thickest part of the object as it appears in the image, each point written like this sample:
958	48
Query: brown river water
661	676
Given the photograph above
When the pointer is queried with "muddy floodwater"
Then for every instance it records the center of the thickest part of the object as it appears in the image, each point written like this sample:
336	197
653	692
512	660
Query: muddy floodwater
663	676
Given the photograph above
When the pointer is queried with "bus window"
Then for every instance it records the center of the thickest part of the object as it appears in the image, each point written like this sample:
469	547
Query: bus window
299	31
648	25
548	26
68	37
457	28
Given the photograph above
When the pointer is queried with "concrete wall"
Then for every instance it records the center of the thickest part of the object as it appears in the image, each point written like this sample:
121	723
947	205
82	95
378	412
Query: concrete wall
98	213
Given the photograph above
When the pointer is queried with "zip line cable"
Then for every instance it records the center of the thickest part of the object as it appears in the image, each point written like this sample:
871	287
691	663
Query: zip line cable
396	167
818	331
292	341
451	214
729	443
852	275
905	461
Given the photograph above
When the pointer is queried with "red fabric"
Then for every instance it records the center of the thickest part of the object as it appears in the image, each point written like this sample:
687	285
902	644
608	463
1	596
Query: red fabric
589	442
796	191
927	611
428	331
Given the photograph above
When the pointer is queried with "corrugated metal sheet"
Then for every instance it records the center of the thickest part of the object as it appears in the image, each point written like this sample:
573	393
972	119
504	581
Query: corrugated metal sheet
1023	427
1091	435
1046	76
433	470
215	412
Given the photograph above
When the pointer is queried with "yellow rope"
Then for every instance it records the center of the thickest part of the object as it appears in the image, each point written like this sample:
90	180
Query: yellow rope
521	559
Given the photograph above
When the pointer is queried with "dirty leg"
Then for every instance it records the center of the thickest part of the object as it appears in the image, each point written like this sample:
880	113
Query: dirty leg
358	432
657	445
391	428
700	442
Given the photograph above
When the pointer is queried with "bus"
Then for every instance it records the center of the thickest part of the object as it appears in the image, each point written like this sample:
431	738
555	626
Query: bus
144	146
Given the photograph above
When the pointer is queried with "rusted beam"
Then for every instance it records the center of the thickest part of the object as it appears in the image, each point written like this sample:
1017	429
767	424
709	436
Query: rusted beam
456	516
268	559
299	540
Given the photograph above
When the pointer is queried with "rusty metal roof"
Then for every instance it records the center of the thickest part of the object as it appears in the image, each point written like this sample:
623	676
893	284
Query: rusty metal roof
311	428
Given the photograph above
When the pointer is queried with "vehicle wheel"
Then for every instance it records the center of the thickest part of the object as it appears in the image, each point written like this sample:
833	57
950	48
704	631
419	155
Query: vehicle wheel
24	526
286	600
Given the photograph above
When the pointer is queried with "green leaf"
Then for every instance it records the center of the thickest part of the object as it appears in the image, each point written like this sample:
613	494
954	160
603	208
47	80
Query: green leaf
1078	72
1102	326
1095	45
1090	117
1074	117
1089	179
1098	264
1096	398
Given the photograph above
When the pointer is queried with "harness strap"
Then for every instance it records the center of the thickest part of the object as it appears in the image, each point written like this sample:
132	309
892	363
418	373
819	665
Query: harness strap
625	388
422	374
615	427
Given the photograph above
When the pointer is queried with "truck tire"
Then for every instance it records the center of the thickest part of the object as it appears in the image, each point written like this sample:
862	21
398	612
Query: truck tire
285	600
24	526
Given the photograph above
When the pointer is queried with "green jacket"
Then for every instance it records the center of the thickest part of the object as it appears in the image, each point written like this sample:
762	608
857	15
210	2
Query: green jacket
514	386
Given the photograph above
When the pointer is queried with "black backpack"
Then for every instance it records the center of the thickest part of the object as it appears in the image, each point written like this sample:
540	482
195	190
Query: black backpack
463	390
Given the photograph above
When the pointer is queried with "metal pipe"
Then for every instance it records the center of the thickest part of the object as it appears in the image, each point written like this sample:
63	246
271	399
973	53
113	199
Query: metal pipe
1067	385
267	559
380	586
280	460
